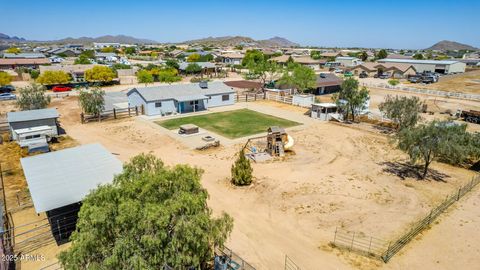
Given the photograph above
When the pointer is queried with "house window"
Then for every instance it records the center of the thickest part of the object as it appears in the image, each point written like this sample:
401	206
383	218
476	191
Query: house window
194	102
225	97
158	104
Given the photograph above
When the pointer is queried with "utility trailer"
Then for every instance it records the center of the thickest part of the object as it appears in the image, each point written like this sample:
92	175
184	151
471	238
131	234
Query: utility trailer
471	116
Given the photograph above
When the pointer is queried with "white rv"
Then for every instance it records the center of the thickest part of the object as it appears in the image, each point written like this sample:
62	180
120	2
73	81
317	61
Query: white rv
34	136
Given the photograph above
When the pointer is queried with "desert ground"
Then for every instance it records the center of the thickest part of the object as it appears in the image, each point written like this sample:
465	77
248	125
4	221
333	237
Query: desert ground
338	176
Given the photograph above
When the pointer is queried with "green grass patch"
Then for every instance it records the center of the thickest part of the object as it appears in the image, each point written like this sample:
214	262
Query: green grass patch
231	124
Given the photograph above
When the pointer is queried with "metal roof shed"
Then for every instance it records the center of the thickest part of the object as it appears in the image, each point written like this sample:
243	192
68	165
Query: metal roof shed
65	177
31	115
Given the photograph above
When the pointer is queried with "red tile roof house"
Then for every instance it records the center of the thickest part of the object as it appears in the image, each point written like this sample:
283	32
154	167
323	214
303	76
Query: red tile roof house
7	63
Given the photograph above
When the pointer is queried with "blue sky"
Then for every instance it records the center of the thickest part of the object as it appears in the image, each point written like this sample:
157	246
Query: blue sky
391	24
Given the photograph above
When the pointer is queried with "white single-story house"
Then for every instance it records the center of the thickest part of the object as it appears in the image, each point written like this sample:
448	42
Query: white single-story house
232	58
347	61
181	98
24	122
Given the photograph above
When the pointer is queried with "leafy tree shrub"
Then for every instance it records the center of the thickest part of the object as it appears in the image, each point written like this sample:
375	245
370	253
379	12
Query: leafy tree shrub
32	97
403	111
393	82
34	73
82	60
302	78
242	170
5	78
50	77
92	101
193	68
351	99
99	74
143	76
171	63
13	50
194	57
150	217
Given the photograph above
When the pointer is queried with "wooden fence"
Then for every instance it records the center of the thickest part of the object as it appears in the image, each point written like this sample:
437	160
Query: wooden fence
248	97
279	98
112	114
380	249
233	260
290	264
4	126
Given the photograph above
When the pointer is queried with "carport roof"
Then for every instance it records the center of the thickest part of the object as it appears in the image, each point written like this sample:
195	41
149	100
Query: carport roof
32	115
65	177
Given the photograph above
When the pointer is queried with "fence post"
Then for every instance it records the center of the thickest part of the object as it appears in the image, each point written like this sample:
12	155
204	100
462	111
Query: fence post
430	217
458	195
136	110
82	118
246	98
335	237
99	116
114	113
129	111
143	110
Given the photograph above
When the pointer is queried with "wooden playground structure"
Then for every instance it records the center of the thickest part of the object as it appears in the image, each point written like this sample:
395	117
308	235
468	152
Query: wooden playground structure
274	144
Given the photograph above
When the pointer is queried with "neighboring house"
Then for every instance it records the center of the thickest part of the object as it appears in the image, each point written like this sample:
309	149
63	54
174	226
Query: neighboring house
45	118
232	58
348	61
76	71
100	45
398	56
439	66
396	70
67	52
207	67
331	54
181	98
303	60
23	55
58	182
13	63
107	57
327	83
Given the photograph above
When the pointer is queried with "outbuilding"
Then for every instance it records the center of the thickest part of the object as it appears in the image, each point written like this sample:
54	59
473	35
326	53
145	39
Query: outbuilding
438	66
59	181
181	98
20	122
327	83
347	61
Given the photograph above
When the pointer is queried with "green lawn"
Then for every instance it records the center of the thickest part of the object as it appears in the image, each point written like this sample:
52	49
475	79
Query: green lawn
231	124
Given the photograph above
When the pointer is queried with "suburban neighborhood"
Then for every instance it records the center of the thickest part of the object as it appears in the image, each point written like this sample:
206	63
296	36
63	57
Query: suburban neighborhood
196	149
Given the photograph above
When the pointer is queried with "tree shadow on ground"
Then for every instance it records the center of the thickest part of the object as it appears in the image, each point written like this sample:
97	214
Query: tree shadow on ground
405	170
383	129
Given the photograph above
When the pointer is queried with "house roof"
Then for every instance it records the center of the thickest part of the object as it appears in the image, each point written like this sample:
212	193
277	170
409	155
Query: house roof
32	115
244	84
65	177
346	58
297	59
233	55
180	92
23	55
184	65
67	68
328	79
413	61
102	54
398	66
398	56
367	66
331	54
24	61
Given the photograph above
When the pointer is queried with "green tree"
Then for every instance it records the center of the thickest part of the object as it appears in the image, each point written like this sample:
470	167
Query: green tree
50	77
130	50
144	76
263	70
301	78
194	57
393	82
5	78
403	111
418	56
314	54
436	140
363	56
168	75
242	170
150	217
13	50
34	73
82	60
108	49
88	54
351	99
193	68
92	101
99	74
382	54
171	63
205	58
32	97
252	56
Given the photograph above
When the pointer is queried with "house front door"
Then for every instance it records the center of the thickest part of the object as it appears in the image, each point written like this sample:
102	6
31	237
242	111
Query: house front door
181	107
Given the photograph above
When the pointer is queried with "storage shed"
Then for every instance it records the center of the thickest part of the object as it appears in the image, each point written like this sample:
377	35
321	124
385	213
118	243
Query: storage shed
58	181
439	66
32	119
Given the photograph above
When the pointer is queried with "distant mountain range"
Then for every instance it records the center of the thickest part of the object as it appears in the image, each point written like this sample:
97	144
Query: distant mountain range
240	40
447	45
82	40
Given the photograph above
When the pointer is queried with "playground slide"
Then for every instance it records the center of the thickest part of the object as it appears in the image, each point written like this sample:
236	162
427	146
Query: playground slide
289	142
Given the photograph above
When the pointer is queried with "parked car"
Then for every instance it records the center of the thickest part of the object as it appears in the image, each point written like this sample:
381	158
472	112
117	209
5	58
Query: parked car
61	88
338	70
383	76
429	79
363	75
348	74
7	96
415	79
7	89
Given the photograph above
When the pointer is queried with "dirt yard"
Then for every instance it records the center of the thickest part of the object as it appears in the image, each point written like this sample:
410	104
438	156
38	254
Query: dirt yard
338	176
468	82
